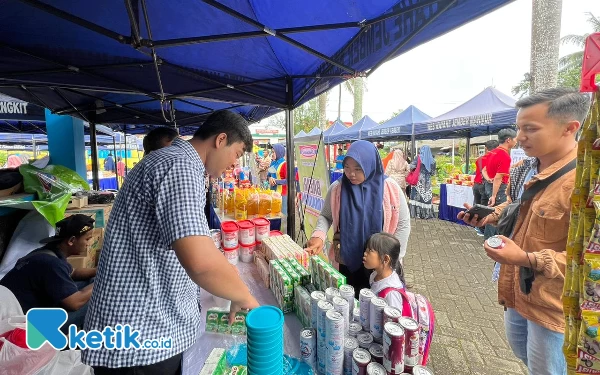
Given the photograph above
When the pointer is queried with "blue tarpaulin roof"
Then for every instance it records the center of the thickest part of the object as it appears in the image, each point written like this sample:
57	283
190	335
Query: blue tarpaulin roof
486	113
300	134
335	128
355	132
156	62
314	131
398	126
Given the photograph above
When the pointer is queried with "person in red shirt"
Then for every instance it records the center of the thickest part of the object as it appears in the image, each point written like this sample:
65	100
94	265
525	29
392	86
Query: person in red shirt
496	172
478	187
497	167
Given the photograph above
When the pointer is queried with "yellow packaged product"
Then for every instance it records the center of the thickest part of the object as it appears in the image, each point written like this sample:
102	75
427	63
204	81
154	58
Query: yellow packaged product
588	347
593	237
591	282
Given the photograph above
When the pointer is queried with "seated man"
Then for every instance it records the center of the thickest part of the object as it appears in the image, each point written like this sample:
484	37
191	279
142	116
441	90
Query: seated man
44	278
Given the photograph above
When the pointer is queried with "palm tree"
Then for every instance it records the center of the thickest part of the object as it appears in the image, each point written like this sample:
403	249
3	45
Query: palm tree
575	59
357	87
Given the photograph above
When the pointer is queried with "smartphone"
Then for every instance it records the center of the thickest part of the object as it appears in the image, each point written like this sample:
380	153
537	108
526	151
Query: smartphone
480	210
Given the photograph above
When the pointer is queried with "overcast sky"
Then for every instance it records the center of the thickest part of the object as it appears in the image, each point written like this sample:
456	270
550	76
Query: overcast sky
439	75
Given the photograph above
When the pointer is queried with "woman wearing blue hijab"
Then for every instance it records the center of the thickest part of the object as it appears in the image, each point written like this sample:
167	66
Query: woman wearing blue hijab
359	204
421	195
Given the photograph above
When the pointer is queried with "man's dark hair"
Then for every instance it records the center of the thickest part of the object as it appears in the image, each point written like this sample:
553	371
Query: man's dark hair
156	137
564	104
230	123
492	144
505	134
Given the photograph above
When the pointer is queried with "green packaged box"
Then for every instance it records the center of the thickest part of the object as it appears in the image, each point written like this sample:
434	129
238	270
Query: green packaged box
213	316
216	363
304	275
217	321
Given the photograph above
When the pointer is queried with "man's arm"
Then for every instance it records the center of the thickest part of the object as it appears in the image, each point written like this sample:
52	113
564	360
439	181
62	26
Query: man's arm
496	188
208	268
83	273
485	175
76	300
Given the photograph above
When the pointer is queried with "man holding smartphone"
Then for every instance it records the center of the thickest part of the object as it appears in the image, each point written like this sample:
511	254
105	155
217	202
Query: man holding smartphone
533	259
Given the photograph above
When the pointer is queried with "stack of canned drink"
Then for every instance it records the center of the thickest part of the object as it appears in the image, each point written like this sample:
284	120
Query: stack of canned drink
374	340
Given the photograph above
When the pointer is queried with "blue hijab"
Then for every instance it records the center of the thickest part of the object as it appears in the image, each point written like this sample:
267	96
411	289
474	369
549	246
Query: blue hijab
279	151
426	157
361	212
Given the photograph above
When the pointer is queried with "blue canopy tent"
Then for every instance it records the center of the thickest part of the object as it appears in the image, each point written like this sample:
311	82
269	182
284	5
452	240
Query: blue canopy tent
140	62
335	128
398	127
300	134
355	132
484	114
314	131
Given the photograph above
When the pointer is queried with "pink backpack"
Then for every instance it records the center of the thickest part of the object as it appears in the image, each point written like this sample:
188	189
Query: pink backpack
419	308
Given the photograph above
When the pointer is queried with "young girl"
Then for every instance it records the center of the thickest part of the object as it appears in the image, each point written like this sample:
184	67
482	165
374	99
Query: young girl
381	256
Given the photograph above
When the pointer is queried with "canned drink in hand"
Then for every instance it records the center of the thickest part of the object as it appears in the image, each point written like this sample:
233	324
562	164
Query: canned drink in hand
495	242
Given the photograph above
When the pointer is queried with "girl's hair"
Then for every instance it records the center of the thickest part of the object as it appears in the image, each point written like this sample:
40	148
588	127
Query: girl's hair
386	244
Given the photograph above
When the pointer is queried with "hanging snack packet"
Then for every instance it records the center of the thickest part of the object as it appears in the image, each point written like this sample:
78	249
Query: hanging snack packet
591	282
588	348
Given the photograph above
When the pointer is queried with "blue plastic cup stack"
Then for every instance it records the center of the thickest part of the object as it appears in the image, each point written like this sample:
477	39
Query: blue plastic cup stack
264	327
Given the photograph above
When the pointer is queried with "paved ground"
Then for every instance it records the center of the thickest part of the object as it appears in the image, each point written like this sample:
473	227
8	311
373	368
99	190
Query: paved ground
446	262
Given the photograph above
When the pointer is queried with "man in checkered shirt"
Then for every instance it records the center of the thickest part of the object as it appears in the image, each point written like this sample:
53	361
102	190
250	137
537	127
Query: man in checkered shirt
157	247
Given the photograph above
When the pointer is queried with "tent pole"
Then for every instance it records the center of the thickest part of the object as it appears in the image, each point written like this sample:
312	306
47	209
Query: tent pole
94	149
115	153
291	169
413	147
467	154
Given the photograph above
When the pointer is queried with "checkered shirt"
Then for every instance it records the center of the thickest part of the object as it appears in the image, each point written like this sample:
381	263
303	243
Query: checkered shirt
140	281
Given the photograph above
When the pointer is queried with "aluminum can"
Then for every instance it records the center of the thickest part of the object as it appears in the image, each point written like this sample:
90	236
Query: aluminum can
308	347
391	314
354	329
315	297
323	308
376	318
356	314
376	351
360	360
393	348
365	304
421	370
321	354
334	360
411	341
375	368
365	339
347	293
495	242
350	344
341	305
330	293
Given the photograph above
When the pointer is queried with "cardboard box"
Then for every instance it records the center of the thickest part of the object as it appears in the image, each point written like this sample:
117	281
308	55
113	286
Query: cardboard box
78	202
77	261
99	212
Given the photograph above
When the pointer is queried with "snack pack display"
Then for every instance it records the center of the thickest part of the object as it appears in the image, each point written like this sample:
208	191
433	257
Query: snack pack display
581	294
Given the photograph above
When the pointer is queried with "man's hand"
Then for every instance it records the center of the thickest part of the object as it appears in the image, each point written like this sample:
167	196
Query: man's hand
249	304
314	246
472	221
272	181
492	201
510	254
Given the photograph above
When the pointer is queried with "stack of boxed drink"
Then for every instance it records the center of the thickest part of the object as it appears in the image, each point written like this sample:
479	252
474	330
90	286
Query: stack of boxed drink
217	321
216	364
283	247
324	275
302	305
285	275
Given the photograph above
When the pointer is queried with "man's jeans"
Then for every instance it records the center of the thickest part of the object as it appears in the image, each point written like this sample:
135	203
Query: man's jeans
538	347
490	230
77	317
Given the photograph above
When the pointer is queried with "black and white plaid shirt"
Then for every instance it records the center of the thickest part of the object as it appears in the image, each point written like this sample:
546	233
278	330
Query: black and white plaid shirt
140	281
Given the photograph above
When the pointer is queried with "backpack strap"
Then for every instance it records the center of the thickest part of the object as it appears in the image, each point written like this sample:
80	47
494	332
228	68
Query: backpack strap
406	307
